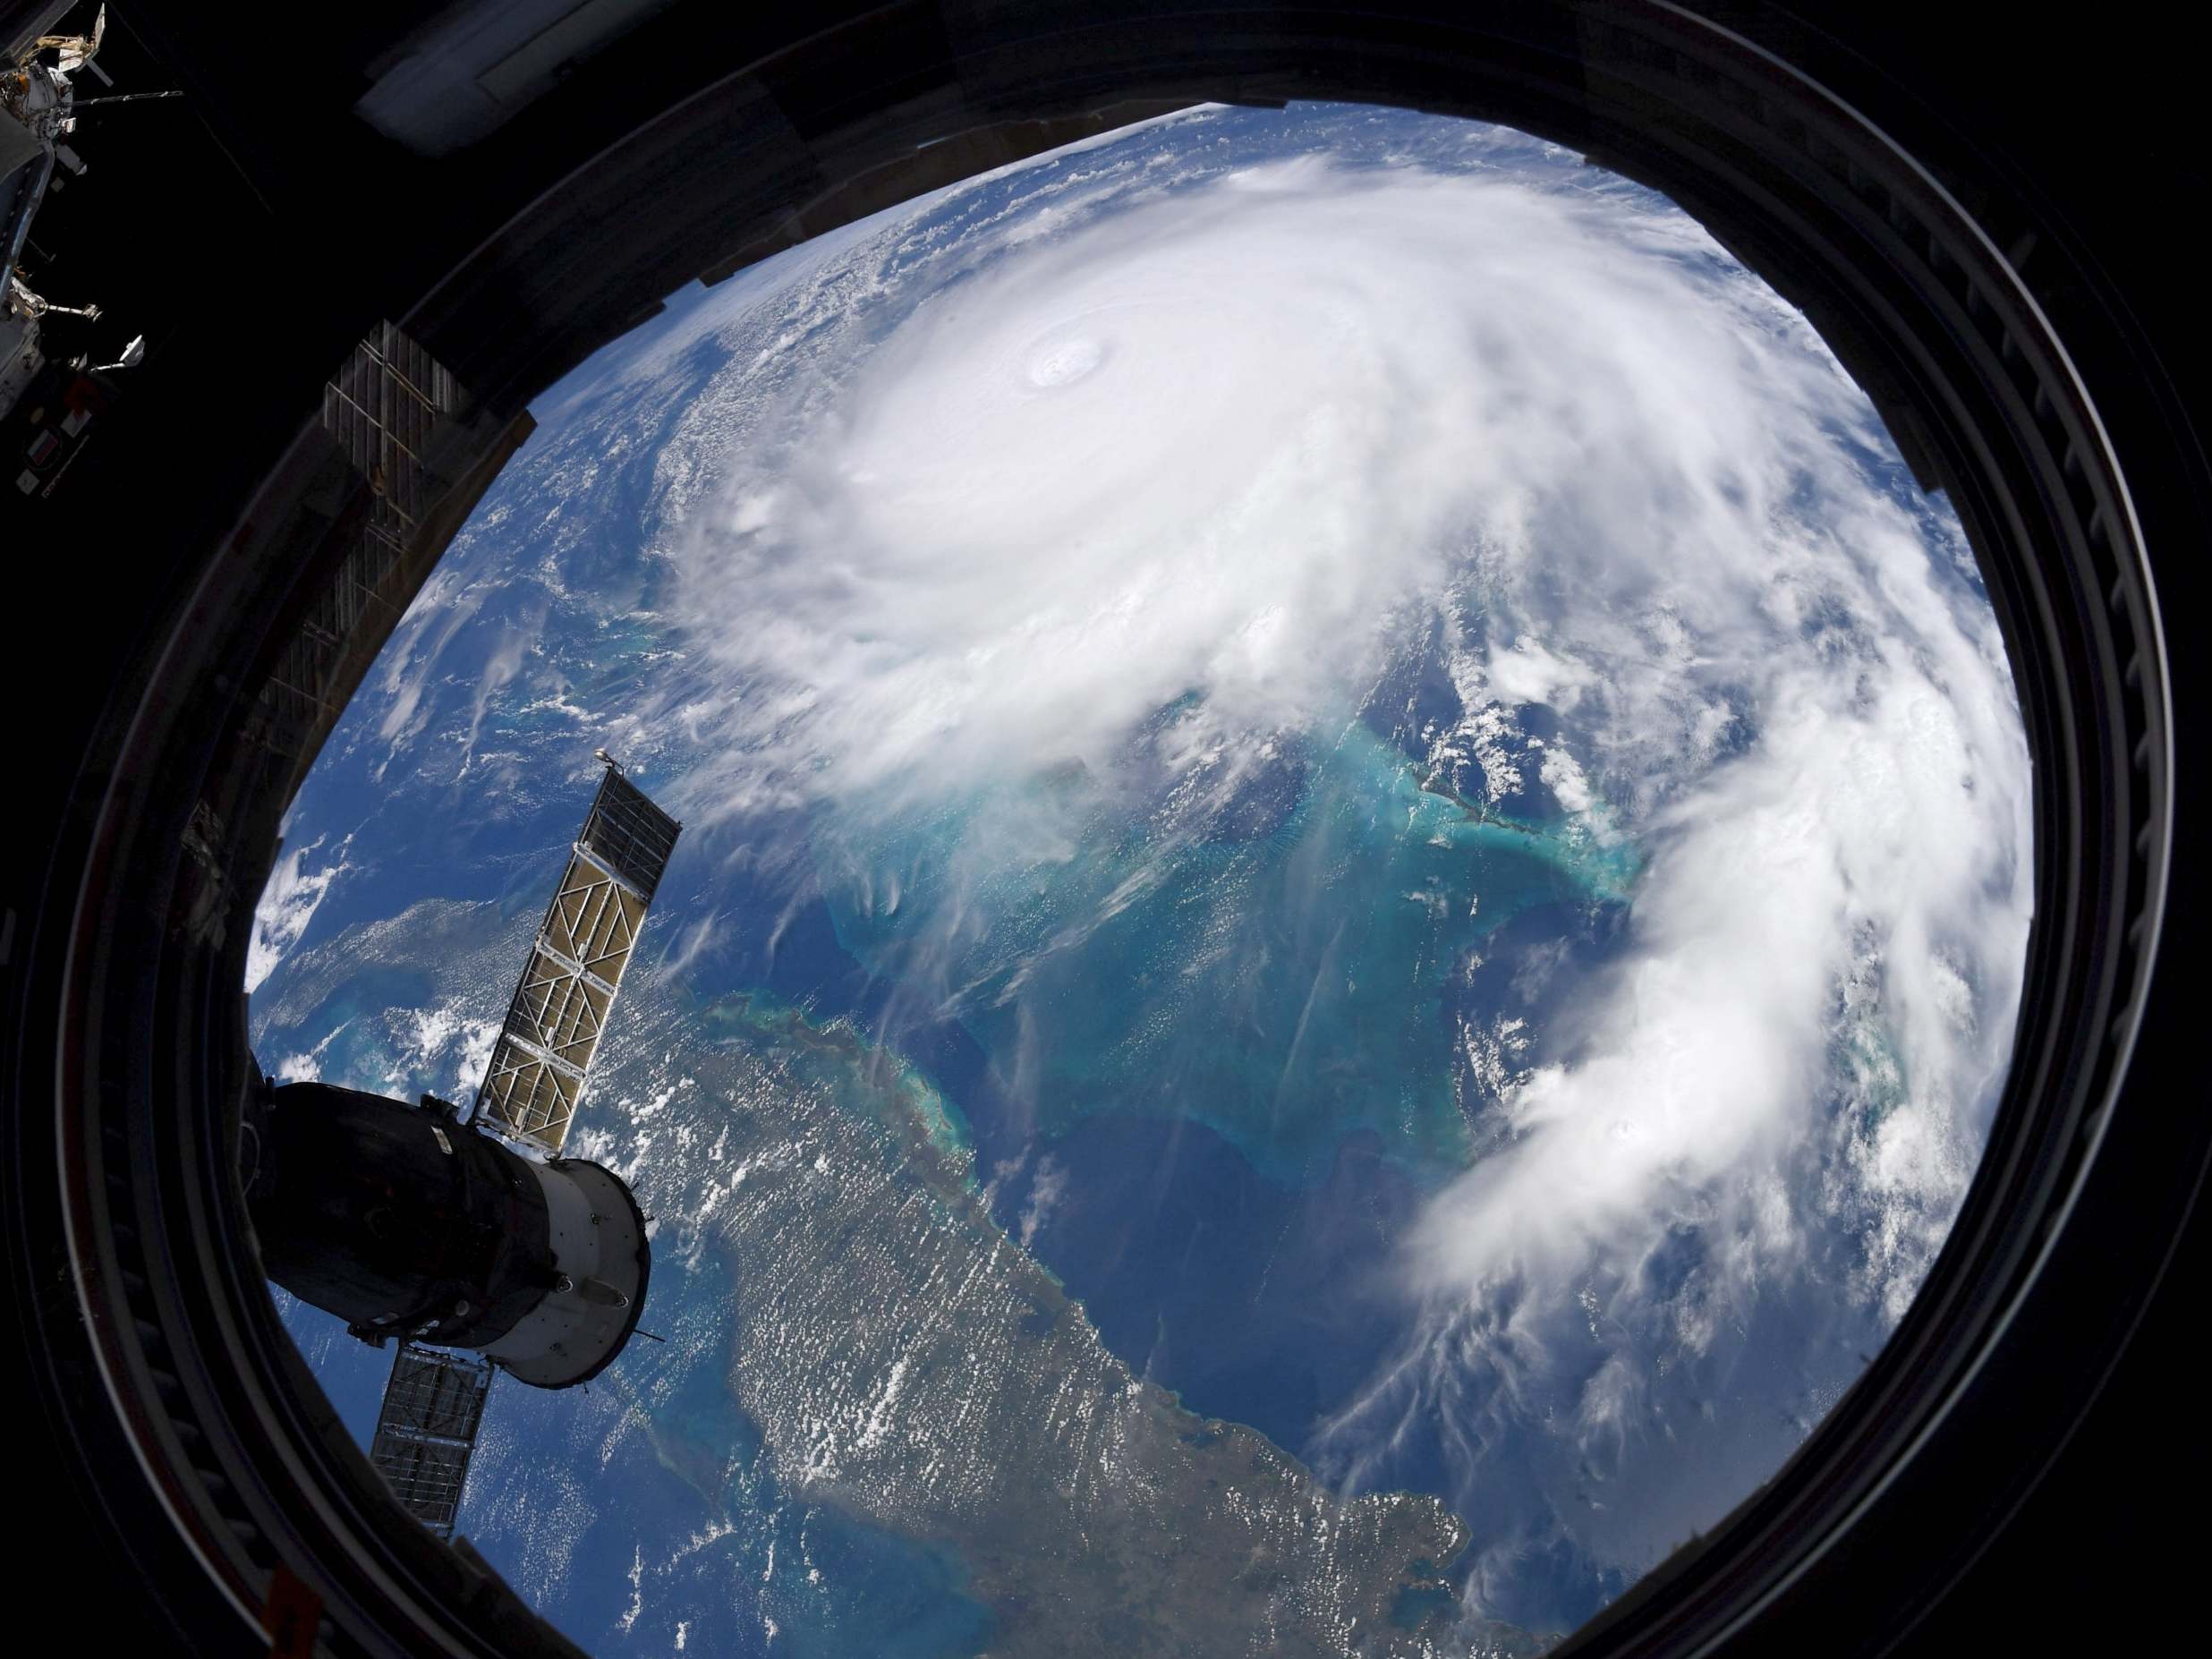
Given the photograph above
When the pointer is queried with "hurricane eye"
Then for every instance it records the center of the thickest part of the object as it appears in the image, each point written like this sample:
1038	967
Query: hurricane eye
1062	362
1354	889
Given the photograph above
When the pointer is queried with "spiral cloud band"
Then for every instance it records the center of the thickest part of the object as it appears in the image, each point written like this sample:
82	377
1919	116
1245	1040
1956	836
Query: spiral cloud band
1166	431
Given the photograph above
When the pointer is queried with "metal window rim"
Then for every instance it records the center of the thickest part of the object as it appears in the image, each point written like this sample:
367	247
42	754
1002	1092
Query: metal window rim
1933	306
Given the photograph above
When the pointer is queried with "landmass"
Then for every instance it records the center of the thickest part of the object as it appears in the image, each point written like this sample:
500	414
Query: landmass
904	1358
901	1355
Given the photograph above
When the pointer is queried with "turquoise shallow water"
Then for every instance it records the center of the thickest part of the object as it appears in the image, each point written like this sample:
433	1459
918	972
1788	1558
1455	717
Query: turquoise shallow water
1285	984
1216	1033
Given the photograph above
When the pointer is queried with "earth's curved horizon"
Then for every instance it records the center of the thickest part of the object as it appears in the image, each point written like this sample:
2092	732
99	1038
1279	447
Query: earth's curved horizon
1355	877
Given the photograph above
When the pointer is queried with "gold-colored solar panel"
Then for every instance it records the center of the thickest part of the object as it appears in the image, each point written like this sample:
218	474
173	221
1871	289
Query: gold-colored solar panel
594	919
529	1094
559	1009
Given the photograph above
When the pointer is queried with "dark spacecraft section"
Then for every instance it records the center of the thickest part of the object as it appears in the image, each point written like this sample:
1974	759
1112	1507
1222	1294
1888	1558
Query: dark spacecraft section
398	1222
2013	297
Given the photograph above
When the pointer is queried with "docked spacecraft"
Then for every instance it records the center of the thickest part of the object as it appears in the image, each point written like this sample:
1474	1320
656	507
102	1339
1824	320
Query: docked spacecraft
447	1231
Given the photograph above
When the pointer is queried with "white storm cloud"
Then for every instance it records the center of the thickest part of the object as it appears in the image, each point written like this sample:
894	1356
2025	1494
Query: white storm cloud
1220	443
287	905
1246	440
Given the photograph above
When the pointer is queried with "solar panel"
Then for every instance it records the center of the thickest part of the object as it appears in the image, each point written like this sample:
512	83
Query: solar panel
433	1406
535	1081
629	833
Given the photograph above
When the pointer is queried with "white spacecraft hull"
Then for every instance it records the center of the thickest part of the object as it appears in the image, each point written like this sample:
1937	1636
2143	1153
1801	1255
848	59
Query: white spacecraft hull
597	1235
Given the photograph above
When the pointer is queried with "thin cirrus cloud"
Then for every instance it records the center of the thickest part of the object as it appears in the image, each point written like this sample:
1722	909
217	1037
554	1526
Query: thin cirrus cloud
1246	440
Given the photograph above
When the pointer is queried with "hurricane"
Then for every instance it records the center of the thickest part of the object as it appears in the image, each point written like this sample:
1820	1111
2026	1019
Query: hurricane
1372	731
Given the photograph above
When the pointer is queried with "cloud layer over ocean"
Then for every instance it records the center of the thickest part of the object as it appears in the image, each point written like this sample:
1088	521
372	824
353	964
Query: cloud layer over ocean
1241	443
1155	467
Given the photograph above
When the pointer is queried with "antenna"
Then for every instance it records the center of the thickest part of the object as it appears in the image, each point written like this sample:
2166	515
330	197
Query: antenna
132	356
24	303
119	97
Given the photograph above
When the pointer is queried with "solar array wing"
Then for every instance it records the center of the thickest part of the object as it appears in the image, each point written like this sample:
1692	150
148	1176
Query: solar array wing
535	1081
629	834
433	1405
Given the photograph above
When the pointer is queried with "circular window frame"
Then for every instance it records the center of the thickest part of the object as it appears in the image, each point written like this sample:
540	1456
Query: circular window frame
1933	308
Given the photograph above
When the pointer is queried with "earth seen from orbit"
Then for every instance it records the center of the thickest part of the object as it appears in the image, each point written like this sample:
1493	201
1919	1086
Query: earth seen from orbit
1355	876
